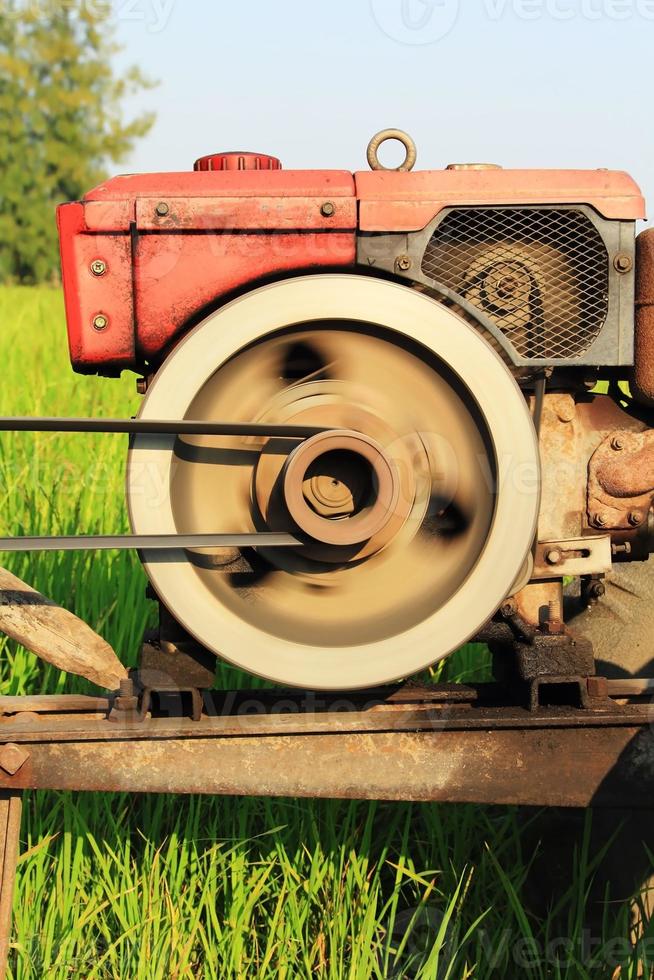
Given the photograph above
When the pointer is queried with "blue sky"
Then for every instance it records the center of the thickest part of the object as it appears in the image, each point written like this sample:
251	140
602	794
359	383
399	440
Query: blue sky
523	83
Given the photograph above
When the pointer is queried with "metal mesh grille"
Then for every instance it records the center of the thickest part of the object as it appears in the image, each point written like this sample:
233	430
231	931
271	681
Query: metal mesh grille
541	274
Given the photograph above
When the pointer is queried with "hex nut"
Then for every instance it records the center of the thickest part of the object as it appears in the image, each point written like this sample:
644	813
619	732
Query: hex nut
98	267
599	520
162	209
636	518
327	209
100	321
598	687
12	757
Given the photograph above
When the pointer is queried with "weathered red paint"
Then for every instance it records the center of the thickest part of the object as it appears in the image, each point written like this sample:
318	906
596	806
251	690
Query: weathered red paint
177	244
392	201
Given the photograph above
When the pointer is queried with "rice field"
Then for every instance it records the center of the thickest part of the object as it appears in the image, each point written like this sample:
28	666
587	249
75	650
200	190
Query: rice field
143	888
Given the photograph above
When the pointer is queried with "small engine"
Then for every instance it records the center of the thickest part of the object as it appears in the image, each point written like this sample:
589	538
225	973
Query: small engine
456	369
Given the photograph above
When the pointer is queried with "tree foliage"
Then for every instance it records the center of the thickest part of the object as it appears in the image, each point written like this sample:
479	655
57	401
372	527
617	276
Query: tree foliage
61	123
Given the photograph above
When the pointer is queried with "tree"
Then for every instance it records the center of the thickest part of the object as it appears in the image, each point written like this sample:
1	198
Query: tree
61	123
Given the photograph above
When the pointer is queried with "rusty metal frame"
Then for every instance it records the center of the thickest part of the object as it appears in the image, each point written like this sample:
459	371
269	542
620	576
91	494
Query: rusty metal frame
449	743
452	743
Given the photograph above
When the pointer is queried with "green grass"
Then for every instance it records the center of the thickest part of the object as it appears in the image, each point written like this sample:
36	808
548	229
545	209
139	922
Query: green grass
155	887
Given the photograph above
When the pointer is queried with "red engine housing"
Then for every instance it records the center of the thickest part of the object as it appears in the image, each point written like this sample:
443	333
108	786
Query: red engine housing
143	257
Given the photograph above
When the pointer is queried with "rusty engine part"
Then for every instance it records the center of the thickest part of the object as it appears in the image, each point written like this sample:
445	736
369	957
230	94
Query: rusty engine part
403	365
642	382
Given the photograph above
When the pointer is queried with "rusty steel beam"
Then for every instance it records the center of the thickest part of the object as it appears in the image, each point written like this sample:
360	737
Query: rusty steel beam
10	813
599	766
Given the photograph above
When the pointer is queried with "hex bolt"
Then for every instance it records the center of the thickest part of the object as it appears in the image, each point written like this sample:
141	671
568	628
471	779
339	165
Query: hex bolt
623	262
553	556
636	518
597	590
100	321
13	757
554	610
327	209
126	687
617	443
98	267
403	262
141	385
599	520
508	608
162	209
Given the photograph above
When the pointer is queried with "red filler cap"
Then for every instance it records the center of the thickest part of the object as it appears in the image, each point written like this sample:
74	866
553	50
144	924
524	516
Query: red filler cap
238	161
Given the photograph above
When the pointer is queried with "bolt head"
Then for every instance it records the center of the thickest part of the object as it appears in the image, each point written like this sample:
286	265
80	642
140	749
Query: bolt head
162	209
599	520
403	262
566	409
98	267
100	321
617	443
12	757
553	556
636	518
623	262
327	209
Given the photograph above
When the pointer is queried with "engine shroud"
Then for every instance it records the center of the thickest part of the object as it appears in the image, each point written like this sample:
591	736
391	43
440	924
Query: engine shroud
147	256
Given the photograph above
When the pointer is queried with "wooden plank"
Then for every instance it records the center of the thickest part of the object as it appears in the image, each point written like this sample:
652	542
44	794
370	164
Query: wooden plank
54	634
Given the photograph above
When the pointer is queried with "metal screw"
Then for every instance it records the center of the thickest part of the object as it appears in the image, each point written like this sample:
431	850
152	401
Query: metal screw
162	209
623	262
141	385
636	518
597	590
126	687
617	443
12	757
621	549
509	608
553	557
100	321
327	209
98	267
599	520
403	262
554	624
